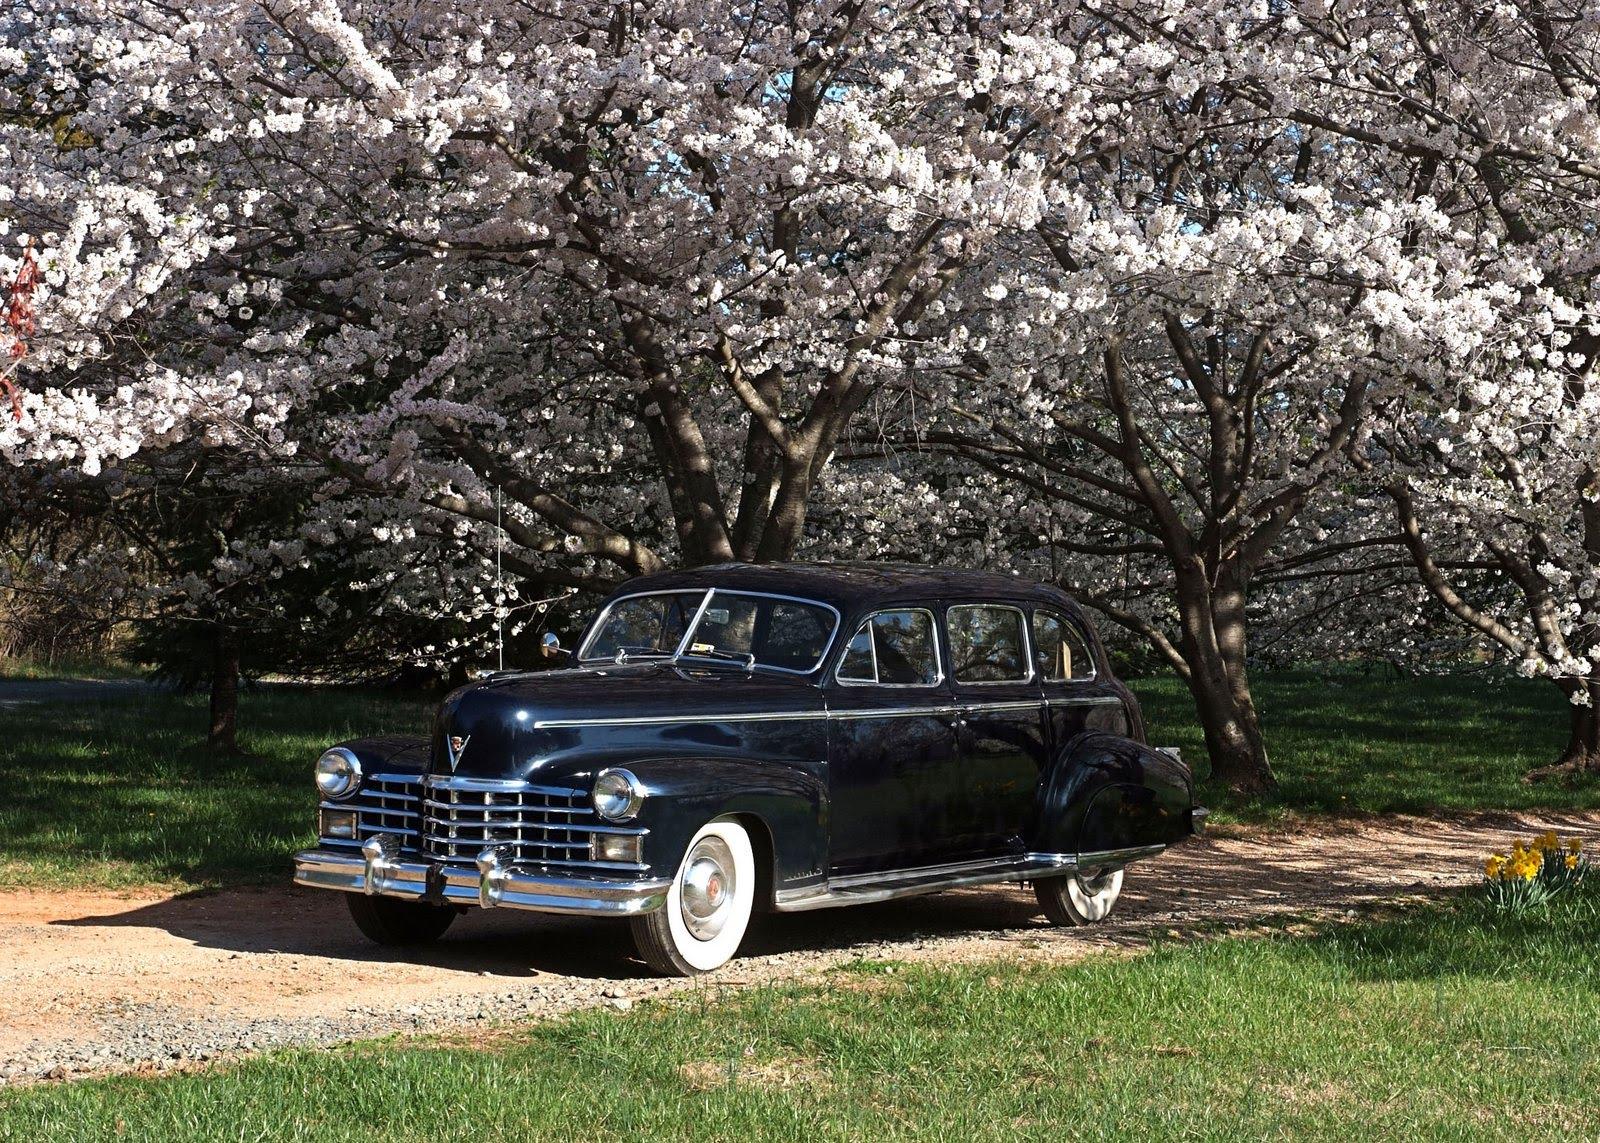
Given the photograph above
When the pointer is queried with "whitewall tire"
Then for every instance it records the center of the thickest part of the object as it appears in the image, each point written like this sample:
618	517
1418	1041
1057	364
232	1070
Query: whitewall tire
708	906
1079	898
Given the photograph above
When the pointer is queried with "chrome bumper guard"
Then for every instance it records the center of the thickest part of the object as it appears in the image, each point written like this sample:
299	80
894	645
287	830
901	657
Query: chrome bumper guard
381	870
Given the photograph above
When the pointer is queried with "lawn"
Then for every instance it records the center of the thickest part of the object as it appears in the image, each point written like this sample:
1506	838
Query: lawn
1447	1022
1349	740
119	793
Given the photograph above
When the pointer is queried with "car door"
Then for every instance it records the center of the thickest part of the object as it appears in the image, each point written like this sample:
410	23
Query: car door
1001	730
895	780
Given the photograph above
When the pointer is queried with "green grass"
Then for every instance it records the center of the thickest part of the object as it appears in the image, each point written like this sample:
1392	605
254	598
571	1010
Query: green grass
1445	1023
119	792
1345	740
67	667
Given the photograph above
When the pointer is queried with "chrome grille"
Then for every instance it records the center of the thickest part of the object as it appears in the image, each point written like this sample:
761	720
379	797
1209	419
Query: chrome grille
386	803
532	825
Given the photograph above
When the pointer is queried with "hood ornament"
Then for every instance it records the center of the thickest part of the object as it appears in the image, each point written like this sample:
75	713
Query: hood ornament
454	746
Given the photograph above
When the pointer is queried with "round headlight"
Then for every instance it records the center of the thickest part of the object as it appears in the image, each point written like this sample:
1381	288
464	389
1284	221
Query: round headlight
617	795
338	773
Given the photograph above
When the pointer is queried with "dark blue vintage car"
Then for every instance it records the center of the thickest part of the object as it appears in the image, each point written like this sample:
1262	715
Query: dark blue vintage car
741	737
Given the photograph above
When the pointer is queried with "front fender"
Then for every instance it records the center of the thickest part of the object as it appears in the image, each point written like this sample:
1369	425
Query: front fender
390	754
1106	792
788	802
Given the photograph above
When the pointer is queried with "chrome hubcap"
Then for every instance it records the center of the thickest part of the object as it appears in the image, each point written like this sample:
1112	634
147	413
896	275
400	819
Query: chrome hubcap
1097	882
1095	894
706	890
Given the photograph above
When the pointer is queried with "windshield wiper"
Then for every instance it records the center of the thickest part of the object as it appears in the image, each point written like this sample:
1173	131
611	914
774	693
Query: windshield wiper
745	658
624	654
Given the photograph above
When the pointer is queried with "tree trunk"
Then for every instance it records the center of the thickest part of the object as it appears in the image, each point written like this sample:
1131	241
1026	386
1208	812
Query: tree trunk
223	734
1583	736
1213	644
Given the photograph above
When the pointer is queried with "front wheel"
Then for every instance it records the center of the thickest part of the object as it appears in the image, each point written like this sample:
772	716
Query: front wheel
1079	898
391	922
708	906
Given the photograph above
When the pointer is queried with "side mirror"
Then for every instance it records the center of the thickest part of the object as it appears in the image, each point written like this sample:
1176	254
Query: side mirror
550	648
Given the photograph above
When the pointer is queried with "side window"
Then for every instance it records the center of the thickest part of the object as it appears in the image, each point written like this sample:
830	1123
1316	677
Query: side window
893	648
987	644
1059	649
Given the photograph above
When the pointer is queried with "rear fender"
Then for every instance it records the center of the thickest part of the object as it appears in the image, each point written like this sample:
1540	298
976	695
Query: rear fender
1106	792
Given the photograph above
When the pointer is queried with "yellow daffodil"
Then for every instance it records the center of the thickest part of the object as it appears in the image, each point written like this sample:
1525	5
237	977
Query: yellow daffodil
1574	845
1572	861
1493	867
1548	841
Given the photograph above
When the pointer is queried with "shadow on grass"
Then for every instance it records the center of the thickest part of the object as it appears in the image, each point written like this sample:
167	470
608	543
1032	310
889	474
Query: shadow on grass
1469	938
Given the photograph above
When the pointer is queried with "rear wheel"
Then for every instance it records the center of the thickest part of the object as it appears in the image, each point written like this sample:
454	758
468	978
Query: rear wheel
391	922
1079	898
708	906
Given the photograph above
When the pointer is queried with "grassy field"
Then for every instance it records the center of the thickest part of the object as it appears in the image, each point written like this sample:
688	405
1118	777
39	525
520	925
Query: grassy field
121	792
1446	1023
66	667
118	792
1352	741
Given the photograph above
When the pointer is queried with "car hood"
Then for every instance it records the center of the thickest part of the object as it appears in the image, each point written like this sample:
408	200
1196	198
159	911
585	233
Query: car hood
518	726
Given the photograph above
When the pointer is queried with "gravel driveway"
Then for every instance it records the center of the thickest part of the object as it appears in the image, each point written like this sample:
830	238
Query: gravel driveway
97	982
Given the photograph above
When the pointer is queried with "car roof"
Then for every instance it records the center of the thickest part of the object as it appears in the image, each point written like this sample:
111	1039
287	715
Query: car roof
849	586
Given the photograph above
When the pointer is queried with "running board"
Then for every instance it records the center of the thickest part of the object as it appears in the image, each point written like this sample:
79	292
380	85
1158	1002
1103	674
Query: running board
866	888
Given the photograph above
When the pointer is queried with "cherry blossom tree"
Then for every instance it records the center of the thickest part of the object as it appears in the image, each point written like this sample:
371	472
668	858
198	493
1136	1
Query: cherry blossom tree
1195	345
632	271
1493	470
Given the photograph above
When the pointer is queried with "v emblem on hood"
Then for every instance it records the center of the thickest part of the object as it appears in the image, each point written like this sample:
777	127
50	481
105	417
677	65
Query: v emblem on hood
455	746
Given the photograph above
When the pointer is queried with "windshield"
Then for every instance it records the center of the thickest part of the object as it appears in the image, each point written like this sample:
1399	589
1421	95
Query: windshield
754	630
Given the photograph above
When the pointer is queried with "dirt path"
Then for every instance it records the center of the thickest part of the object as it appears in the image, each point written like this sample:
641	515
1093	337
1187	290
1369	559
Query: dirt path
93	982
31	692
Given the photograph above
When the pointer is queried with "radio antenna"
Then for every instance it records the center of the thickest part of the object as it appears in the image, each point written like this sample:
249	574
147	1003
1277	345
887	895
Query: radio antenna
499	583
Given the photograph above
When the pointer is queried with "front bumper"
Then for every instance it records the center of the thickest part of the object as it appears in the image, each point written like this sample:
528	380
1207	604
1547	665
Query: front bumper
378	870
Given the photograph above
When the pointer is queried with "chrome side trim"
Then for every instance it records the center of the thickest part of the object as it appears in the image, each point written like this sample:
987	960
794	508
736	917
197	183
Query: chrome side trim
1104	857
976	707
953	869
1086	700
666	719
893	712
801	715
861	889
464	885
